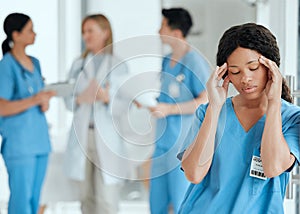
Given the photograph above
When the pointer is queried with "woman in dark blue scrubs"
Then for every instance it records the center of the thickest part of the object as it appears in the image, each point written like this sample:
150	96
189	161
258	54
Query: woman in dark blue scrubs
23	125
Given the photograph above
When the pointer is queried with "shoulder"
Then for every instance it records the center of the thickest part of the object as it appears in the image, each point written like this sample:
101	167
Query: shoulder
7	64
195	58
289	112
116	61
79	62
201	110
198	64
7	60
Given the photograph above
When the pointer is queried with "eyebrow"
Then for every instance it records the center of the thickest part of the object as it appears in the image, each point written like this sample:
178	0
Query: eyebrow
235	66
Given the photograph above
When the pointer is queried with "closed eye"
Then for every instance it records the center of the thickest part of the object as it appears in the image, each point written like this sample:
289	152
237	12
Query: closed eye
235	72
254	69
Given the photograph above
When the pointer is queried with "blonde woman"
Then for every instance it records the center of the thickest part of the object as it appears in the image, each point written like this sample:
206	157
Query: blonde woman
94	142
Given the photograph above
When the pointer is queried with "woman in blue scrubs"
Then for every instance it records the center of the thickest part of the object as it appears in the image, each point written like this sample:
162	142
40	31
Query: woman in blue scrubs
23	126
241	149
183	78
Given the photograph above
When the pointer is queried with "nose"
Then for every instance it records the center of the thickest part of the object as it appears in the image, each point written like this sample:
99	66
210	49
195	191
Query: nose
84	36
159	31
246	78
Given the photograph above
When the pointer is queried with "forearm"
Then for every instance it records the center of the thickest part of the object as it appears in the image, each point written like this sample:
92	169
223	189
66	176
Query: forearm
275	153
189	107
8	108
198	157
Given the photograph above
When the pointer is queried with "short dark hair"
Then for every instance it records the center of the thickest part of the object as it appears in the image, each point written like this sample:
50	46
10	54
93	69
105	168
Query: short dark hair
178	18
255	37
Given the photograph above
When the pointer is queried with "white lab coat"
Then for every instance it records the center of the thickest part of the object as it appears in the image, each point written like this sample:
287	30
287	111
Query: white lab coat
109	144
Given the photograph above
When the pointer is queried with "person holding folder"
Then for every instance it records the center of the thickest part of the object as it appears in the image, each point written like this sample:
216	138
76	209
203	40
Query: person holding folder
23	125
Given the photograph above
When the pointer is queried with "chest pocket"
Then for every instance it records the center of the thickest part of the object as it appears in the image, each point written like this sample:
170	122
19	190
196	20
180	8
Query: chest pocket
269	185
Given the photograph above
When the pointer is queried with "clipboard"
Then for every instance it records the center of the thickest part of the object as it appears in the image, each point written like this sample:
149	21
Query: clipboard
62	89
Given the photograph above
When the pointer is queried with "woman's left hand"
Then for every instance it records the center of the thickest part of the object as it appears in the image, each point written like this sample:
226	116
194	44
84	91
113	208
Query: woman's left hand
274	84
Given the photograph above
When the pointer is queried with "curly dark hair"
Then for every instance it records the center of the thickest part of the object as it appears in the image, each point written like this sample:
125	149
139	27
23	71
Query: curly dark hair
255	37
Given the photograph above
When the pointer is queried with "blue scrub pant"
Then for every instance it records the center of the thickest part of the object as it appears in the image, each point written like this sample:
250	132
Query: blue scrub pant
168	189
25	178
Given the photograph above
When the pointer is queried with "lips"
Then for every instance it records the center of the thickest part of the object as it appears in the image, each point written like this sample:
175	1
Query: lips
249	89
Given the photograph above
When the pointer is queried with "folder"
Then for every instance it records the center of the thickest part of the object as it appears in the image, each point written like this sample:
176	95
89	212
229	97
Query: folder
62	89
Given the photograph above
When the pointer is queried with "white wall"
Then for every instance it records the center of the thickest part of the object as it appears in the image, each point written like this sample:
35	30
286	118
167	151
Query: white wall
45	25
282	20
211	18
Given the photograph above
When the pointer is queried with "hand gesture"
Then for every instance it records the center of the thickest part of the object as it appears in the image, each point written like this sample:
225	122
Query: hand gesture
274	84
217	94
42	98
137	104
103	94
161	110
89	94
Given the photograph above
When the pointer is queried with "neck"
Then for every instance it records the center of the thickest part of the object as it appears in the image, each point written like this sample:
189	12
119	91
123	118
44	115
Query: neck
18	52
258	103
180	48
98	51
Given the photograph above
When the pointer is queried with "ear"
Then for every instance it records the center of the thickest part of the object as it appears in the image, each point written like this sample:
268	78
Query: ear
15	35
106	34
178	33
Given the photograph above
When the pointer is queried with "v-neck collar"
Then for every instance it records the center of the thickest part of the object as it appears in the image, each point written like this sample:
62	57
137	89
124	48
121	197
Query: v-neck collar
238	121
21	66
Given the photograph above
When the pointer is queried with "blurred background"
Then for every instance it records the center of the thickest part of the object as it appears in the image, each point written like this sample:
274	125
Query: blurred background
58	42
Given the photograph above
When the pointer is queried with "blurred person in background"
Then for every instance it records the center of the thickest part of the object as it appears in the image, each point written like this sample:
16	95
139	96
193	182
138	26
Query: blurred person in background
23	126
183	79
94	143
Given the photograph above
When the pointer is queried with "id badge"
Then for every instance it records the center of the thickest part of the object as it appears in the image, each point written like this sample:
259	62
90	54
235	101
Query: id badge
256	169
174	90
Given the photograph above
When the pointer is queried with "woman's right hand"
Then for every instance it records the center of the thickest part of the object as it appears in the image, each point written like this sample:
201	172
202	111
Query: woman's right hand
217	94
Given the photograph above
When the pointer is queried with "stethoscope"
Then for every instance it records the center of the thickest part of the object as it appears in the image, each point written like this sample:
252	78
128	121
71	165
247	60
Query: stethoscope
174	86
29	87
180	76
24	77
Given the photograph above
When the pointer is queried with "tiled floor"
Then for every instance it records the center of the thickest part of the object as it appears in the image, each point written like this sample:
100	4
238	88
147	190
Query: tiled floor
134	198
134	201
126	207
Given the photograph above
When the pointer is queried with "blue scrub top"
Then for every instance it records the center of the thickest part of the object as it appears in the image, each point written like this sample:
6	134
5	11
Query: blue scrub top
228	187
25	133
189	75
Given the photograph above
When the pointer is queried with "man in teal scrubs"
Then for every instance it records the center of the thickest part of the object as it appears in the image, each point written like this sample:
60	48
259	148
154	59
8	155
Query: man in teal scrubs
183	78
